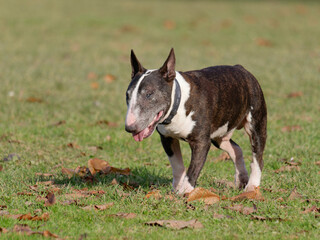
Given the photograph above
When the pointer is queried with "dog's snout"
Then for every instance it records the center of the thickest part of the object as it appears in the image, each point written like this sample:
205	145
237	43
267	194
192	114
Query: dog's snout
130	128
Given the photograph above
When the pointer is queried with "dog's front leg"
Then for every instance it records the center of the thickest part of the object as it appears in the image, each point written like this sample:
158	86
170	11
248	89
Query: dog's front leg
180	180
198	158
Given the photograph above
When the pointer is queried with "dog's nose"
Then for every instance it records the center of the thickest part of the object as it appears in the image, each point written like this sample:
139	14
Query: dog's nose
130	128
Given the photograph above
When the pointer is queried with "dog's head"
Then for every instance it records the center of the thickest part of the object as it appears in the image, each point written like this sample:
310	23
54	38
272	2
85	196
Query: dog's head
148	96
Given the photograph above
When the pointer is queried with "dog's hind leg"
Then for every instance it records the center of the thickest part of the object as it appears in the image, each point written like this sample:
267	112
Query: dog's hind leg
235	152
180	180
256	128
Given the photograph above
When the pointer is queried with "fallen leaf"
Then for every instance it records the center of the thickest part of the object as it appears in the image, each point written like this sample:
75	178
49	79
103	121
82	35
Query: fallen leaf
125	171
50	200
92	76
124	215
176	224
223	156
244	210
46	183
109	78
107	123
59	123
103	206
199	194
69	202
263	42
291	128
155	194
169	24
25	193
294	194
311	209
34	100
220	216
94	85
44	217
73	145
261	218
254	195
69	172
295	94
318	163
3	207
22	228
96	165
287	168
82	171
47	233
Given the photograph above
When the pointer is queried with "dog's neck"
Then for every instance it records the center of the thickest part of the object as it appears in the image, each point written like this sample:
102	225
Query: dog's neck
176	103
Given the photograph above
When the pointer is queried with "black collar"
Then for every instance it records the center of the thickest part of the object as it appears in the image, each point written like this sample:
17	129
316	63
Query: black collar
176	103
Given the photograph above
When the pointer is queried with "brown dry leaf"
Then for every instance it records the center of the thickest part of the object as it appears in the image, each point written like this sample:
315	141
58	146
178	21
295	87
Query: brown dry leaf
1	168
127	186
124	215
294	194
44	174
69	172
22	228
263	42
46	183
244	210
94	85
25	193
287	168
96	165
294	94
254	195
220	216
50	199
59	123
114	170
44	217
103	206
176	224
81	171
314	208
223	156
73	145
155	194
92	76
291	128
3	207
109	78
199	194
169	24
34	100
261	218
47	233
107	123
318	163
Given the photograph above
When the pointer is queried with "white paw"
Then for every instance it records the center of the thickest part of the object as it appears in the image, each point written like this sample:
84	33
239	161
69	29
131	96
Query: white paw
182	186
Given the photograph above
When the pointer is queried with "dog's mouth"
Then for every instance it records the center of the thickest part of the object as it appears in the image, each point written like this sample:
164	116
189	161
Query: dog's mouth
148	130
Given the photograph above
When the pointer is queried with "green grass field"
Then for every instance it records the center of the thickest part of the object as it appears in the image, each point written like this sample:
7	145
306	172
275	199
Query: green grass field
54	58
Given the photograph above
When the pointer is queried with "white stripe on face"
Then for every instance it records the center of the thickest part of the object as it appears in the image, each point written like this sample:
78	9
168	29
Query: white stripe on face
133	110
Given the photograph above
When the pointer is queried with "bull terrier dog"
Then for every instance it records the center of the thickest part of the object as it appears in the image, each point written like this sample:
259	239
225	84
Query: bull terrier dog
200	107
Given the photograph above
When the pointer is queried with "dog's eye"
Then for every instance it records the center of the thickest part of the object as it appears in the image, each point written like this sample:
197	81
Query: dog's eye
148	95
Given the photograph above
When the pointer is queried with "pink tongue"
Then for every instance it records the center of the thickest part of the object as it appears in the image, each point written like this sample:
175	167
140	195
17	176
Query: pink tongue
140	136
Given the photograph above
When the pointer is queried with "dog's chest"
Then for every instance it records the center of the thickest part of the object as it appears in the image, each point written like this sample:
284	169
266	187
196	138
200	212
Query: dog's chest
182	124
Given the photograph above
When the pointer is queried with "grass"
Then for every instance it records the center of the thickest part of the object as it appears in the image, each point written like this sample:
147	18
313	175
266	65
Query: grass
47	50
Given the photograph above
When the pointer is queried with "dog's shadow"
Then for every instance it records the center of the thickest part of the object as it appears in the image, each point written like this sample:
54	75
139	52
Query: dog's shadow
140	178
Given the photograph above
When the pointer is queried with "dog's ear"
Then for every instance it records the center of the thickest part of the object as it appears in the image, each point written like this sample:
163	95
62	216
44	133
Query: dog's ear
168	69
135	65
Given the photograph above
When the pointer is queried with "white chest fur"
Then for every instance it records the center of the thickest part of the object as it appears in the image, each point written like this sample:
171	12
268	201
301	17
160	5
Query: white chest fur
182	124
